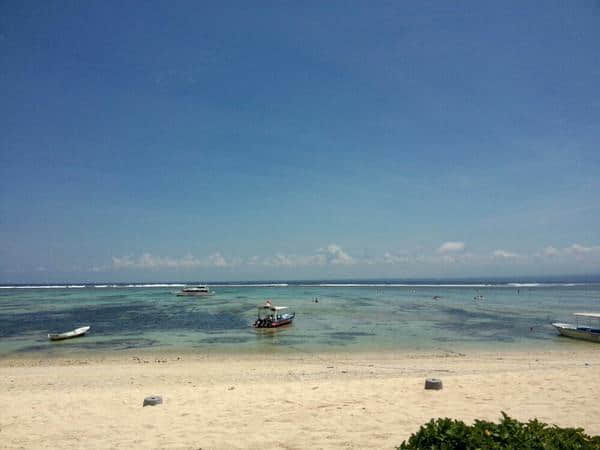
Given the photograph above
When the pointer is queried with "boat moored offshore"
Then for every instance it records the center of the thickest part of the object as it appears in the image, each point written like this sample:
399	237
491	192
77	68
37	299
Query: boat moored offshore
586	331
270	316
198	291
68	334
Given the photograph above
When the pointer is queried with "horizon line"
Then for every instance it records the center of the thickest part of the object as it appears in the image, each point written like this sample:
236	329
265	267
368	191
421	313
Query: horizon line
572	278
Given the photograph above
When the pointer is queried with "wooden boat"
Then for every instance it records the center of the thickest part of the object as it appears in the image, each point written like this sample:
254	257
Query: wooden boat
68	334
586	332
197	291
270	316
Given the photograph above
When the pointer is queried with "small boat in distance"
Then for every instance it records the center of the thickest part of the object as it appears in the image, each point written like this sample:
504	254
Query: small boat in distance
68	334
577	331
270	316
198	291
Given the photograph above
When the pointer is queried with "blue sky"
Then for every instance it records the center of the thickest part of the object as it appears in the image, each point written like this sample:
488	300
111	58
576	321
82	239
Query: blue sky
294	140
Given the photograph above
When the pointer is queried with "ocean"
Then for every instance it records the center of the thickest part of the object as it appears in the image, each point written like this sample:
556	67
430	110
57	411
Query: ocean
348	317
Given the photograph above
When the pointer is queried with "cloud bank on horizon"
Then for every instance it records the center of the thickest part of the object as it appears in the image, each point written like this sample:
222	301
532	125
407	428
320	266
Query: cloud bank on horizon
334	255
330	259
447	254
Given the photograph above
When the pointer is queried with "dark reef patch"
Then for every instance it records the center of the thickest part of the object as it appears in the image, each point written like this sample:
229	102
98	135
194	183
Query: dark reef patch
503	326
117	319
225	340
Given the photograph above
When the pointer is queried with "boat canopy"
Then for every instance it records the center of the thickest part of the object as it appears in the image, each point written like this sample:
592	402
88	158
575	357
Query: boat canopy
272	308
592	315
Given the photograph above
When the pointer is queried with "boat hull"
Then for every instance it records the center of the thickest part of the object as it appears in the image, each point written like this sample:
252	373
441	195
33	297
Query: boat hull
275	324
194	294
574	332
282	323
69	334
266	323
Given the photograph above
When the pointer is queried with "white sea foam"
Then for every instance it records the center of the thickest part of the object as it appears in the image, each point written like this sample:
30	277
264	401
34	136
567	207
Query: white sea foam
446	285
252	285
154	285
34	287
97	286
384	285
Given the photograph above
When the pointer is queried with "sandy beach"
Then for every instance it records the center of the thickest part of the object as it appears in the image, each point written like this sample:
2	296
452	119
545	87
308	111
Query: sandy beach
327	400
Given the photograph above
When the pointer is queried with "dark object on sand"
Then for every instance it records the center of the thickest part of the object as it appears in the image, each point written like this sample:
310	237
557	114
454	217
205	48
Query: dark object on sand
433	383
153	400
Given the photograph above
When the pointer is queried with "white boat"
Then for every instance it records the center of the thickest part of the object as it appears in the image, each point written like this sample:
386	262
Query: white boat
199	291
589	331
68	334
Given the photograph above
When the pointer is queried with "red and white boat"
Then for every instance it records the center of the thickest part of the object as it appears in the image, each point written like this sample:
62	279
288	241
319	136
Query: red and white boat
270	316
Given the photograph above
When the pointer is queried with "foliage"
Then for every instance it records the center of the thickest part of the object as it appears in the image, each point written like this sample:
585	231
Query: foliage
449	434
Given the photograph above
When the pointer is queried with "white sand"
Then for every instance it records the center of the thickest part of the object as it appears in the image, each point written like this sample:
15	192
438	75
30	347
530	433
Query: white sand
300	401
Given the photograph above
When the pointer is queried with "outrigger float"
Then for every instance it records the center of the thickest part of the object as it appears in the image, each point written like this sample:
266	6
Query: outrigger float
270	316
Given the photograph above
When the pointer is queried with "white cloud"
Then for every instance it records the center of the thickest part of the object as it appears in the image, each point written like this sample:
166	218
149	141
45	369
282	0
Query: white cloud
551	251
144	261
149	261
217	260
331	255
390	258
577	251
122	262
281	260
449	259
580	249
503	254
254	260
574	252
334	254
449	247
449	253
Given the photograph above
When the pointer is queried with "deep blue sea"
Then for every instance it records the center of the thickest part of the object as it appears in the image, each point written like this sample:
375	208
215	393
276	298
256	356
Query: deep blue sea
349	317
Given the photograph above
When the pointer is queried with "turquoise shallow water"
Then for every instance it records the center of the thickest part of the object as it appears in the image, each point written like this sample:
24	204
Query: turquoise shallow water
348	318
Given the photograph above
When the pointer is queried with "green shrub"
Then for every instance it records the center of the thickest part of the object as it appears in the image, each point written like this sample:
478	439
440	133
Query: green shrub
447	434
